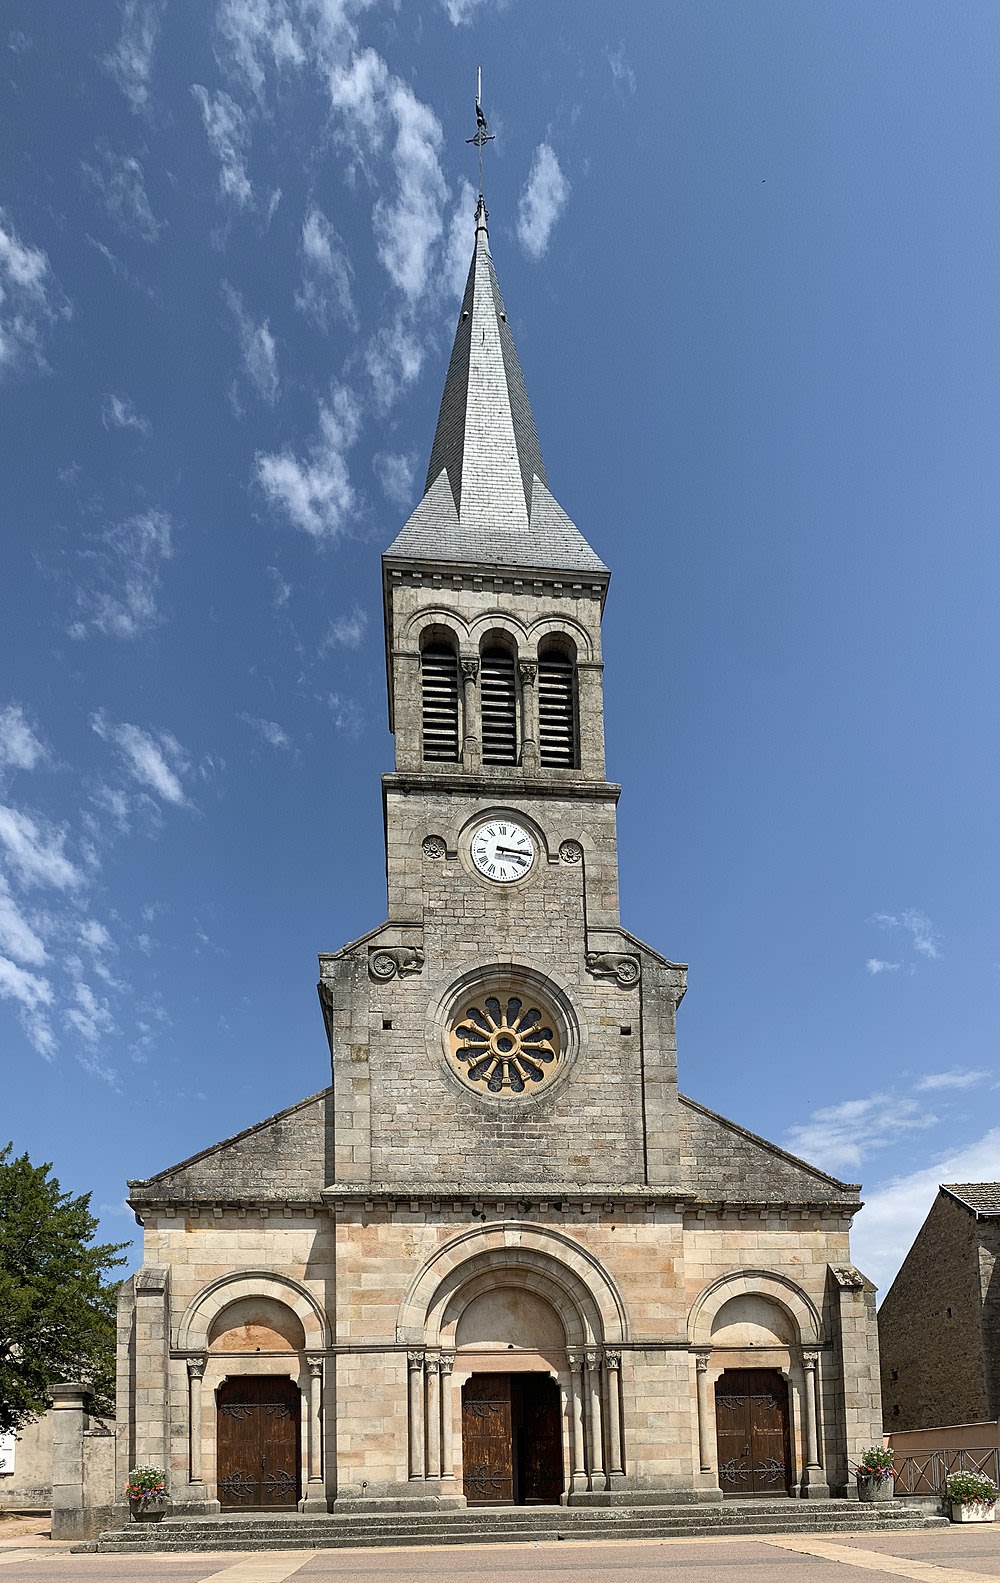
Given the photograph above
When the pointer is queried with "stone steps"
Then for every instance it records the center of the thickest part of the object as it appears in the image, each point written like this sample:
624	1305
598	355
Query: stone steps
509	1525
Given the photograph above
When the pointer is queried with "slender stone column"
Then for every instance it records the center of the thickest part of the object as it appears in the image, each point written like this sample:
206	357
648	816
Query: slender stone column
433	1367
578	1480
596	1447
196	1371
704	1427
447	1418
315	1419
528	672
69	1520
813	1481
612	1366
415	1361
471	724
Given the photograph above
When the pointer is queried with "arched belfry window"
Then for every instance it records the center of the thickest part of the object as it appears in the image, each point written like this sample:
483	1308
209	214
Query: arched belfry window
439	700
498	696
557	730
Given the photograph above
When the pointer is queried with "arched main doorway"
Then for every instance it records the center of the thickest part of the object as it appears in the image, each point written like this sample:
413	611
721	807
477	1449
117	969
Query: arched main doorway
511	1440
751	1420
258	1443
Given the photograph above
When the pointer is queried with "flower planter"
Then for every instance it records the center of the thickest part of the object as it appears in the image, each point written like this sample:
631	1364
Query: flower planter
875	1489
152	1511
973	1511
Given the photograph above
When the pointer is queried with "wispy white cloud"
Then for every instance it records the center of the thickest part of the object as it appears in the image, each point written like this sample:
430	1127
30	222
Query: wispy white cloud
393	359
31	992
131	61
838	1137
458	240
315	492
31	300
368	98
257	347
155	759
919	927
20	748
461	12
282	588
90	1014
395	472
894	1210
269	730
621	69
121	182
346	632
958	1077
543	199
18	937
18	42
875	965
118	412
348	715
261	35
123	566
227	128
35	850
327	274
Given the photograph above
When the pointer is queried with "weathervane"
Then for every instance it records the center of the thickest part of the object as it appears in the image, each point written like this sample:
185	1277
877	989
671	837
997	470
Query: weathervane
483	133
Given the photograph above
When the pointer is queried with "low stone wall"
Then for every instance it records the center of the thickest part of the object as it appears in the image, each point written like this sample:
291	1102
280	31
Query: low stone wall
26	1469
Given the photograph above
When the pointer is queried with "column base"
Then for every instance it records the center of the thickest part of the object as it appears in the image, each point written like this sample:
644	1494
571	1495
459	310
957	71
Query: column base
315	1499
814	1485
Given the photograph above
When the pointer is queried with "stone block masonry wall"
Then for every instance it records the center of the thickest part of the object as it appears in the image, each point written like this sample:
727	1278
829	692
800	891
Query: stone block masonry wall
931	1326
989	1285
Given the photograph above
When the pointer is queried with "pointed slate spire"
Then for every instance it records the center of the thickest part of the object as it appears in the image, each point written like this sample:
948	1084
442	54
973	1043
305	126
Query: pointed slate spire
486	499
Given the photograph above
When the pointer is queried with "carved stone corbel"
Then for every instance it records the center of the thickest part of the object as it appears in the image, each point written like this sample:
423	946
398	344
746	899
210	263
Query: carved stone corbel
392	961
610	964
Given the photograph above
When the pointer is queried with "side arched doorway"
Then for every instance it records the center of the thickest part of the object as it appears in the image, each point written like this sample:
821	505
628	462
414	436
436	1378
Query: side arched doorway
258	1443
751	1421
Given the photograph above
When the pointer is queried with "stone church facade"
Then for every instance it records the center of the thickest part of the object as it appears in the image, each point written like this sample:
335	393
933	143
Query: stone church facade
501	1259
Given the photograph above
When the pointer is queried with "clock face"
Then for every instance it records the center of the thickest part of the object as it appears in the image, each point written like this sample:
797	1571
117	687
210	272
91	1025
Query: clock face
502	850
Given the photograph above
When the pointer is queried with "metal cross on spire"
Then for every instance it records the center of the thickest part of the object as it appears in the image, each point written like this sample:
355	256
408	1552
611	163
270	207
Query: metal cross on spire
483	133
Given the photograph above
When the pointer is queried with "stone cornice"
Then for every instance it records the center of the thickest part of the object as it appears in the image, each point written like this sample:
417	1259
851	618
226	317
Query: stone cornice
508	784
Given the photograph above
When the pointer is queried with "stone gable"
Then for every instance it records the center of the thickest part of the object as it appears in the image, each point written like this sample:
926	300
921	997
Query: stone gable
723	1162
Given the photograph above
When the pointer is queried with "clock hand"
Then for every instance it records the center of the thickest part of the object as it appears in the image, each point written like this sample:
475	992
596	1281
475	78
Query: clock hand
511	851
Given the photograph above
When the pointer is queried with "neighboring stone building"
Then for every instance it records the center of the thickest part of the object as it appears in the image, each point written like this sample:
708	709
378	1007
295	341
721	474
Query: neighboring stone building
939	1325
501	1258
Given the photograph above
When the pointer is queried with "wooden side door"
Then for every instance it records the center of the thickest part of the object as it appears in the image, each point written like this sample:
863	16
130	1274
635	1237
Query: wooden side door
258	1444
751	1418
540	1441
487	1443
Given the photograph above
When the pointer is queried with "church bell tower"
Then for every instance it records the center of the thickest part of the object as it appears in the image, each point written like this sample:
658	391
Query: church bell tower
501	1027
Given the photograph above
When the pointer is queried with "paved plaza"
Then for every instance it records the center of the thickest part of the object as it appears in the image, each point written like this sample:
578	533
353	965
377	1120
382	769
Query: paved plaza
954	1555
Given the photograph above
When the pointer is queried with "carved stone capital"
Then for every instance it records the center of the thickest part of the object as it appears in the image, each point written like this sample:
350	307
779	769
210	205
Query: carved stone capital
610	964
195	1367
527	670
432	1365
315	1365
415	1360
575	1360
470	670
810	1360
701	1362
593	1358
612	1358
391	961
447	1362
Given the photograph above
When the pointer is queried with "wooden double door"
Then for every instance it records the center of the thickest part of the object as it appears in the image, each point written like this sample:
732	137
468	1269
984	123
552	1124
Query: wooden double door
258	1443
511	1440
751	1420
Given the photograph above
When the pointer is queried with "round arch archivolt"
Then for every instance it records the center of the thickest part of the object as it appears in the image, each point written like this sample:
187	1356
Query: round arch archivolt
758	1283
543	1261
194	1328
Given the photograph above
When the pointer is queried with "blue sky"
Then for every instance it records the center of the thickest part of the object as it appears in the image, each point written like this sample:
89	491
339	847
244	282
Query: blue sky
750	258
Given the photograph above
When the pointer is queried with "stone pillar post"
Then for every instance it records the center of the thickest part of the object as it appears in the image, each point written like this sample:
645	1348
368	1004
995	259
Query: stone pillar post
314	1499
447	1417
704	1425
196	1371
612	1367
68	1419
472	752
528	671
578	1479
433	1368
813	1479
596	1445
415	1363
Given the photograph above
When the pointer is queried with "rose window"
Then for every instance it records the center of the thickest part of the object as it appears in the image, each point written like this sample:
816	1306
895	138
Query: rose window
505	1044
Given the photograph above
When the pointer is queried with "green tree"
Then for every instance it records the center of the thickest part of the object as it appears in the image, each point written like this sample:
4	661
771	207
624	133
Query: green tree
57	1311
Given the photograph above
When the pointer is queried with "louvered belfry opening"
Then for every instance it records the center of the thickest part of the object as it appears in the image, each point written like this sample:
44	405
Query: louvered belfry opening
439	698
556	710
499	706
